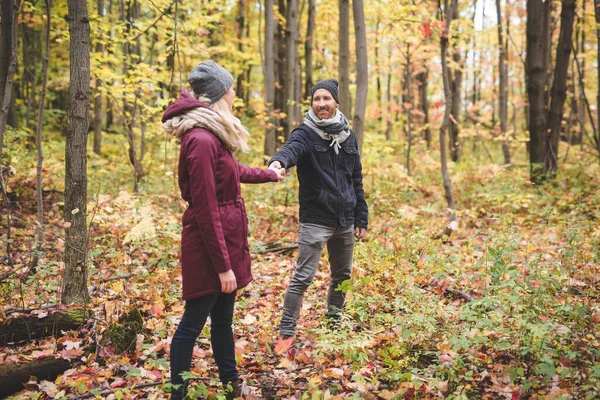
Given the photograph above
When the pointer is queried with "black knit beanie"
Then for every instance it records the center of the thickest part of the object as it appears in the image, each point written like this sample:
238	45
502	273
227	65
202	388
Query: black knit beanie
331	85
211	80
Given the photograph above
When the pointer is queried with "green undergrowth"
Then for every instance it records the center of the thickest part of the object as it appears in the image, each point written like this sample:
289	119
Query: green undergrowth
506	306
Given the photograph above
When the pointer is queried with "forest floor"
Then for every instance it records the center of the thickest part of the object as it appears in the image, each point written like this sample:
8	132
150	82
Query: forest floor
507	307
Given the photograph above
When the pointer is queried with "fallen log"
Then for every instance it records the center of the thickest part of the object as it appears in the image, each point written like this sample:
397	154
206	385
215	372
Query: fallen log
13	376
33	327
461	293
276	247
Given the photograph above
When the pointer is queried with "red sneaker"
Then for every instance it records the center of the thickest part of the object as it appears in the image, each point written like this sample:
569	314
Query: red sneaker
283	344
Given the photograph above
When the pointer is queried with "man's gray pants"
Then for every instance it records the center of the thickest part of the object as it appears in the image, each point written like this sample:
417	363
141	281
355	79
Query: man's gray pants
311	241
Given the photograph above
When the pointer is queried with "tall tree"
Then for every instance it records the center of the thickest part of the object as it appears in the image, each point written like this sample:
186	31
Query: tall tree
538	19
422	79
597	16
98	114
456	82
362	72
503	86
241	20
269	66
408	104
344	58
292	74
30	53
389	98
39	237
581	80
8	60
559	85
449	13
75	209
280	67
308	48
377	63
136	155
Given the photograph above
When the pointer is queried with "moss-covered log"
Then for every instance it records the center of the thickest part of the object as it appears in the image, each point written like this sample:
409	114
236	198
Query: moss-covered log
13	376
33	327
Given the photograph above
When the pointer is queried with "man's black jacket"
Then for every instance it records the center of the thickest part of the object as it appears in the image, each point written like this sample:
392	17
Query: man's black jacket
331	190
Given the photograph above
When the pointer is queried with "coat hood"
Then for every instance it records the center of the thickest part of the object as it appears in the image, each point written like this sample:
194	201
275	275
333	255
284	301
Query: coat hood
184	103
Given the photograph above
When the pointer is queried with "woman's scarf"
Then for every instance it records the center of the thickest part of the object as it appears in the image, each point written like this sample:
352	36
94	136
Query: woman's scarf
206	118
335	128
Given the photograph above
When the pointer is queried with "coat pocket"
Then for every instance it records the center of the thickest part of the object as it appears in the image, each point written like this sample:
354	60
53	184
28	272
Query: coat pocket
323	156
328	201
350	156
231	219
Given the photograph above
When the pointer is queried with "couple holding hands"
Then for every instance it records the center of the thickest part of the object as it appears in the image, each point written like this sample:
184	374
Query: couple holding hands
215	256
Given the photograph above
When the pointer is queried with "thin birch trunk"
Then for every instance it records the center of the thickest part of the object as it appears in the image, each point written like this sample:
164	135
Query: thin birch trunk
308	48
409	110
269	145
291	33
39	237
362	72
12	64
344	58
446	121
503	108
98	114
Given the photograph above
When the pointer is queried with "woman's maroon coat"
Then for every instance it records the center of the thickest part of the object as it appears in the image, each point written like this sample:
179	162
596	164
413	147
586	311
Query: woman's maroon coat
215	225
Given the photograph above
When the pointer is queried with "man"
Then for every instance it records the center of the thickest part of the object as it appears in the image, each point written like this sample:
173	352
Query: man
332	204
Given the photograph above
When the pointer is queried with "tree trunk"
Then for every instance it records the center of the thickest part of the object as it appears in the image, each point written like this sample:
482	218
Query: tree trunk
98	114
13	376
39	236
362	72
308	48
446	121
378	68
241	20
280	69
30	52
10	62
559	86
456	91
129	111
344	58
291	36
6	12
422	78
597	15
503	88
75	208
269	147
536	69
388	125
409	109
581	86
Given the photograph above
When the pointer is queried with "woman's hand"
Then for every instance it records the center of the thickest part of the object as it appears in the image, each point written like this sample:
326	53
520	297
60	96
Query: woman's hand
228	282
279	170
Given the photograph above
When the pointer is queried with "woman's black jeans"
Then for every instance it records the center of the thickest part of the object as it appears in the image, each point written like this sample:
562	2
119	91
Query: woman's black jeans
220	308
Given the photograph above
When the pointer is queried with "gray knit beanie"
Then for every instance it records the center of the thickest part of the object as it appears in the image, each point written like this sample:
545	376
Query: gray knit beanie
330	85
210	80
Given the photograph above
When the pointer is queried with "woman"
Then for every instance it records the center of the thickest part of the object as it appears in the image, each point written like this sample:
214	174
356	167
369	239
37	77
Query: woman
215	256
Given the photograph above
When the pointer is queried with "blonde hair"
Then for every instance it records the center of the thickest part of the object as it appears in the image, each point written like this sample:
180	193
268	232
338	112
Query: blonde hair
237	131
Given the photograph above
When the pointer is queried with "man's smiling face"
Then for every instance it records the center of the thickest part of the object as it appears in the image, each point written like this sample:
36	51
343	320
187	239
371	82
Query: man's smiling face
323	104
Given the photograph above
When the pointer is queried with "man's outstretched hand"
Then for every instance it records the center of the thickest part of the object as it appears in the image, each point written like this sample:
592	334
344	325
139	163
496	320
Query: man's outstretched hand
279	170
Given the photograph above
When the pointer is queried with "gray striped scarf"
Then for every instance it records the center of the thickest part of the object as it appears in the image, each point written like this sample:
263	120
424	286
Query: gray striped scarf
335	128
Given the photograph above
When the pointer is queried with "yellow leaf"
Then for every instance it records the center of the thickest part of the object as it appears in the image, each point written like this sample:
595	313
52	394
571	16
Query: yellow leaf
117	286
